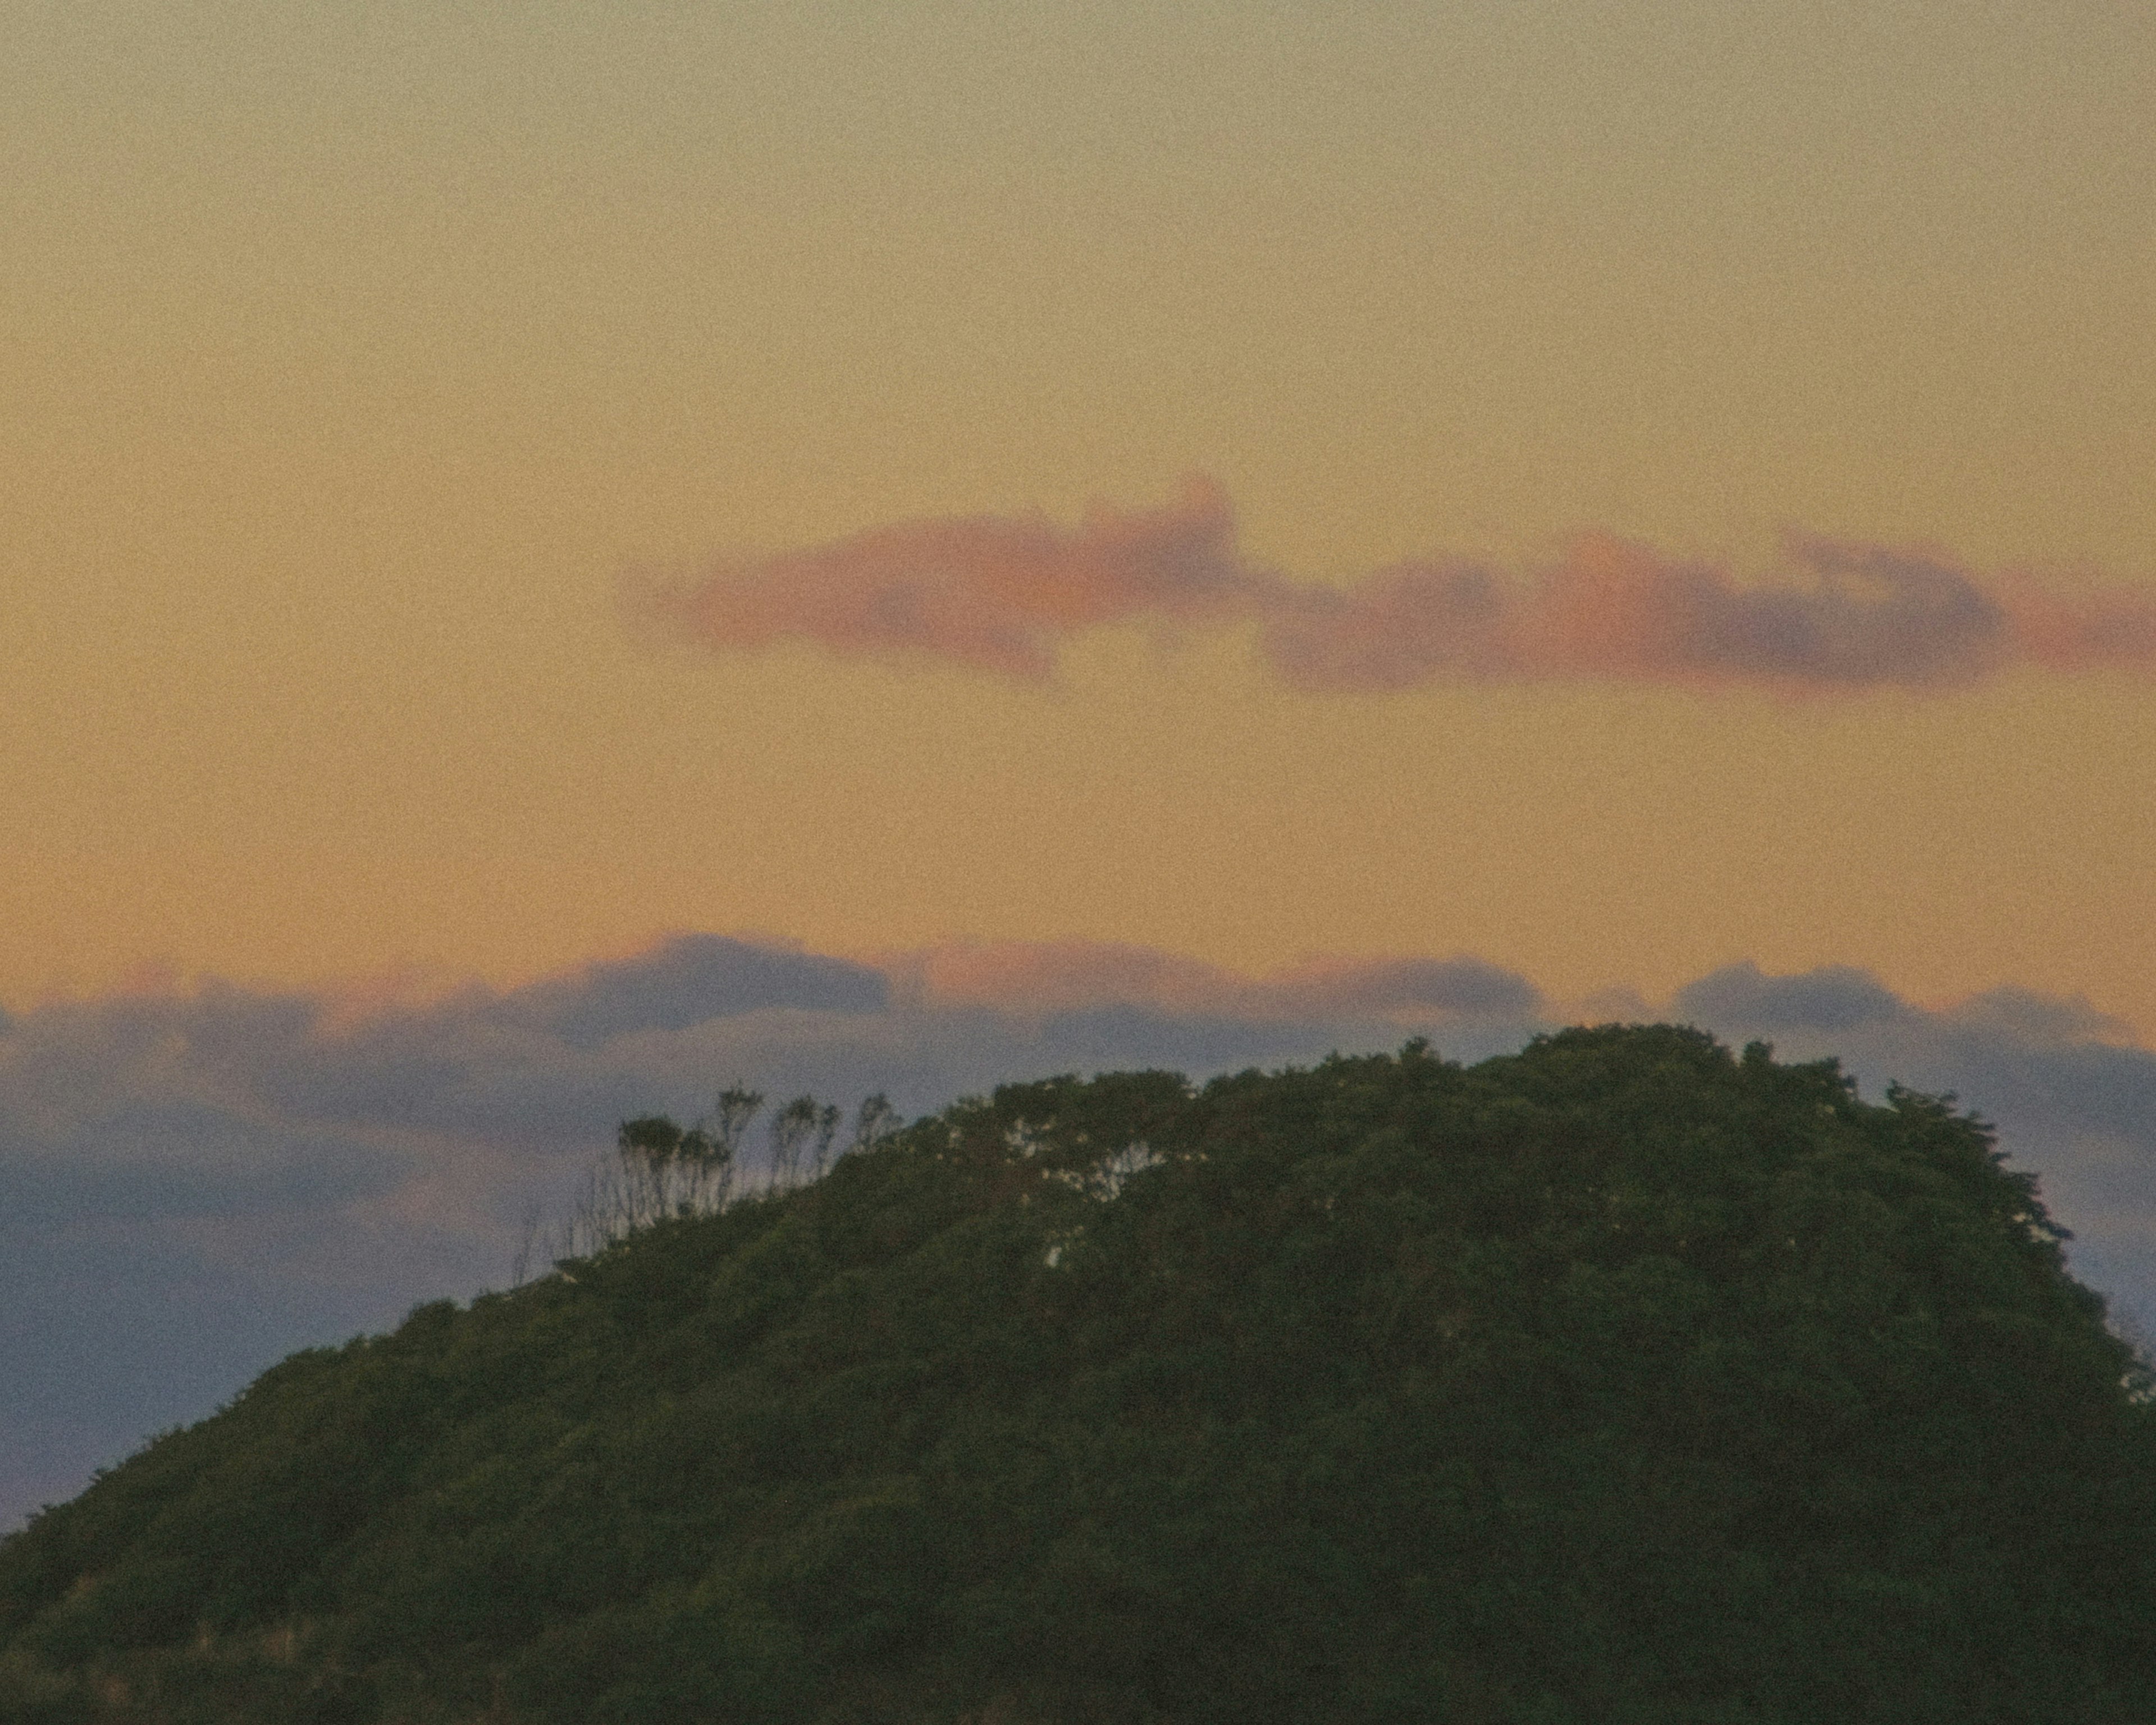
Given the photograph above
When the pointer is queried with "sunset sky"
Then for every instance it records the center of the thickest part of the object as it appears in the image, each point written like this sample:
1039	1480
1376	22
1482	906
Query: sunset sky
1256	513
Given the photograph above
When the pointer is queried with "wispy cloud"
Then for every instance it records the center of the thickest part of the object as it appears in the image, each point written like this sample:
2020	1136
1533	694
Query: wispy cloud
1005	593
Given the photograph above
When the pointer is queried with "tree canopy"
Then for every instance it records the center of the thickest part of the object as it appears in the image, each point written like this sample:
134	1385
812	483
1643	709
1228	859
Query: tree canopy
1622	1379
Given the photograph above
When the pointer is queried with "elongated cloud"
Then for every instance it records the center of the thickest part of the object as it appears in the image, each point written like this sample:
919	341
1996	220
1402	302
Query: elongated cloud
998	593
1047	977
1004	593
1858	617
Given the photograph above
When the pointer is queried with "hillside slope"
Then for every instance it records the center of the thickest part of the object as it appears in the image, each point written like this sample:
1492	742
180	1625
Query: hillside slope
1621	1380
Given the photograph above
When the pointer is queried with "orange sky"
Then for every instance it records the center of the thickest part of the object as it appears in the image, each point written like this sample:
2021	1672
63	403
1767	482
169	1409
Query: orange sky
350	357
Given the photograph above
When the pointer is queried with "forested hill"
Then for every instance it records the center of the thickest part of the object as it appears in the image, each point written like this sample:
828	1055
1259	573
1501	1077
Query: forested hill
1622	1380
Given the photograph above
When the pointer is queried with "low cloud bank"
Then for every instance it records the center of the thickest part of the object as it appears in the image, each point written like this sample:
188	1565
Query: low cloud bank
1005	593
195	1182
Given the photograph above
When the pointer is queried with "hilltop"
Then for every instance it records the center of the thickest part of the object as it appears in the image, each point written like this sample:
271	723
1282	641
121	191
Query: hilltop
1623	1379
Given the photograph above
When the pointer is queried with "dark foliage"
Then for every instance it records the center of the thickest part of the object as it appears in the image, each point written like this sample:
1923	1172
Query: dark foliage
1619	1380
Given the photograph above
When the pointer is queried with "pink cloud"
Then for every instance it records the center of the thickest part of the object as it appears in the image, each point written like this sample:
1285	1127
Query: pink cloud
1004	593
2082	626
1039	977
997	593
1854	617
1060	976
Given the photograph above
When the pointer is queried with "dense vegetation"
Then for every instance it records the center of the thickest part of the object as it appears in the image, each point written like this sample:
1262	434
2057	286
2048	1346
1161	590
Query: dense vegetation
1623	1379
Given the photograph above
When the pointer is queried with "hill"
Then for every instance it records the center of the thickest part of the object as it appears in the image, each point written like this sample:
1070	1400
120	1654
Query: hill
1623	1379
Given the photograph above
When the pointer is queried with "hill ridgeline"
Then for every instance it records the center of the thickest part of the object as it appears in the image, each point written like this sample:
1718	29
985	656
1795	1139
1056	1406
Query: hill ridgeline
1623	1381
